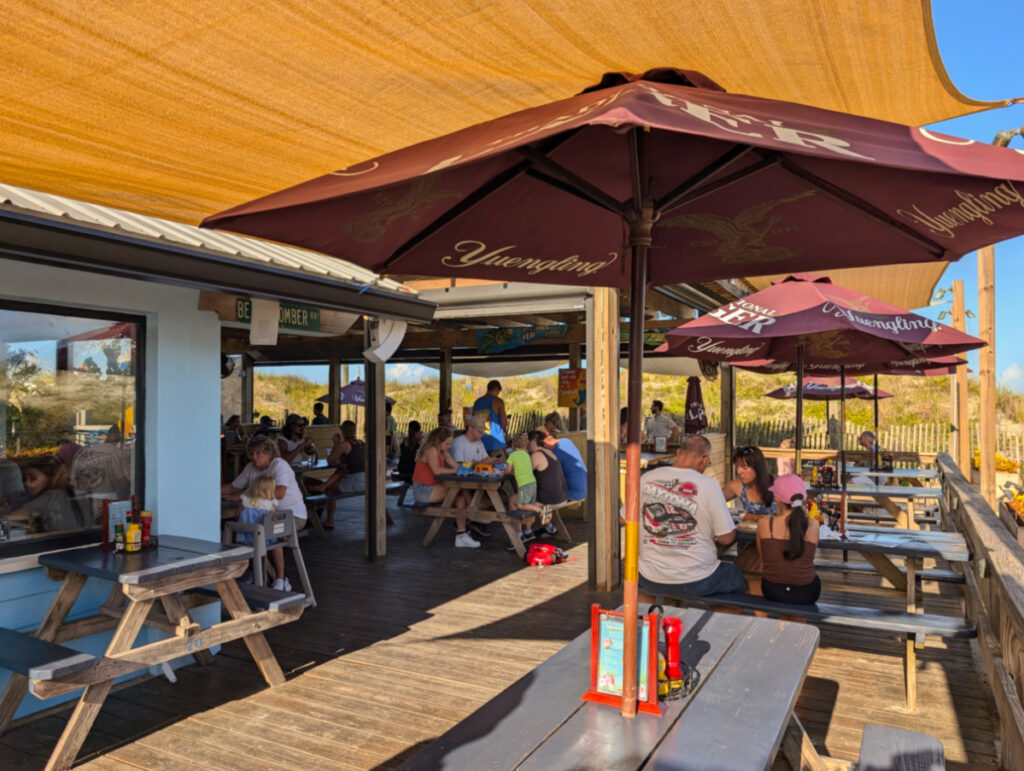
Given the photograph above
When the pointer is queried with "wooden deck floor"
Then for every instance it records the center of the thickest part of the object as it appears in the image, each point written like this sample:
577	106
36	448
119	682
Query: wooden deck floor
398	652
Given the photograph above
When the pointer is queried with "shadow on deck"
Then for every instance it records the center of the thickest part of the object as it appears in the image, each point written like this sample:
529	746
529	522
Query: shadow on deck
397	652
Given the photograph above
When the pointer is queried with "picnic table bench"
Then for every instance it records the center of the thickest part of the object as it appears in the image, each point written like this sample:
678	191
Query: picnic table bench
750	671
895	749
485	505
169	575
913	625
886	496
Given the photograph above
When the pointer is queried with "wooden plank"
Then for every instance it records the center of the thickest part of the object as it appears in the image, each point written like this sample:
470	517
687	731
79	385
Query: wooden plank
883	747
768	668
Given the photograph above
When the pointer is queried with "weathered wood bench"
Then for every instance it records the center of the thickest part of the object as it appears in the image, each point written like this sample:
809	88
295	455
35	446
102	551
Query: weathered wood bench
894	749
912	625
926	574
38	659
262	597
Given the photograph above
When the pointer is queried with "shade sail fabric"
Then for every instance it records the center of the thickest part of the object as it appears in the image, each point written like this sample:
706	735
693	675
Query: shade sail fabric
181	109
832	324
743	186
828	389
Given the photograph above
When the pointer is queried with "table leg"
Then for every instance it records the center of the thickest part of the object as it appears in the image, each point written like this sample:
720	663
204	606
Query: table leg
257	644
435	526
175	611
17	686
888	570
514	539
449	497
91	702
911	519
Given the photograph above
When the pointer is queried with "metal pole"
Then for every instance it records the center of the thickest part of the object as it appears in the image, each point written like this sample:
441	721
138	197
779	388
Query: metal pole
842	448
798	468
641	221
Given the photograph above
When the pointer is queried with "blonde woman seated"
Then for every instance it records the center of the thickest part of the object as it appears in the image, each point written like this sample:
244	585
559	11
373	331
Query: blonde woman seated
787	543
432	459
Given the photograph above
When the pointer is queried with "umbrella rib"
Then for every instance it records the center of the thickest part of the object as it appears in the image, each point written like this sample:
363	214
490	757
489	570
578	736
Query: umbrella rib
560	177
843	196
670	199
712	187
493	185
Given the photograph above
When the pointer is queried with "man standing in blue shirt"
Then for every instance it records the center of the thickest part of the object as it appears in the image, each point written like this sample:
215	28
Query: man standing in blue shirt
497	421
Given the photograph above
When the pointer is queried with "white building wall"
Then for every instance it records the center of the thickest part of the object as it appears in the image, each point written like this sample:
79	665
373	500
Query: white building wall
182	430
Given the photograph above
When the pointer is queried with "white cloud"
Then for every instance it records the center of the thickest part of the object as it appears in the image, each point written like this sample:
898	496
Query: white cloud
1013	377
404	372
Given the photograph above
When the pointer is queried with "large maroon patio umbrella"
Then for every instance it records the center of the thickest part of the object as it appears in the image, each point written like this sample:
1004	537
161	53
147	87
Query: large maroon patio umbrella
579	190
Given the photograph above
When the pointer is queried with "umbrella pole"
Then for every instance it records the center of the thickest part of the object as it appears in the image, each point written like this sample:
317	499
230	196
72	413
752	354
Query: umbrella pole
842	449
876	410
641	220
797	466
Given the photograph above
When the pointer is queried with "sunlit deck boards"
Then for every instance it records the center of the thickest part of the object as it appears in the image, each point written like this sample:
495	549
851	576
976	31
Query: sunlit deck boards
397	653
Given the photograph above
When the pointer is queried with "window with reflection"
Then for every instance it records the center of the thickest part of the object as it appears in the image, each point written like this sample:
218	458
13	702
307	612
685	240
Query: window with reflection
70	428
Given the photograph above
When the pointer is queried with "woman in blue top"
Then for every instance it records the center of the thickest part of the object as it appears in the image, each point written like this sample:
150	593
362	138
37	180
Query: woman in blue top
494	406
751	484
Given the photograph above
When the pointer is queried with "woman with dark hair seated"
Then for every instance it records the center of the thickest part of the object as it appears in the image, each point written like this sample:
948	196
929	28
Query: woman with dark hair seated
752	485
787	543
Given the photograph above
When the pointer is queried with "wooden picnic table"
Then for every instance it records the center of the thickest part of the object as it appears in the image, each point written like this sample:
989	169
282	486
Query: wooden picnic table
161	576
751	672
878	544
649	458
913	475
887	496
485	505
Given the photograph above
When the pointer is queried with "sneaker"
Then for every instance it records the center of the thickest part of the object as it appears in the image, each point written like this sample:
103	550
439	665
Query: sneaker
480	529
280	585
464	540
550	529
526	536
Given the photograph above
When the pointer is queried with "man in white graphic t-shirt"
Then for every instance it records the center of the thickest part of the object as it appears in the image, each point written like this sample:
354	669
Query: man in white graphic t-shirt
683	521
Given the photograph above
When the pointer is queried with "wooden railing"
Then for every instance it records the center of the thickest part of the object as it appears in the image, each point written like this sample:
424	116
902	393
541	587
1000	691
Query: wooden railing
994	593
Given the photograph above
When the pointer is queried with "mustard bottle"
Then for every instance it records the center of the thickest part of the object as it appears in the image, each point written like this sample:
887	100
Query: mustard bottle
133	537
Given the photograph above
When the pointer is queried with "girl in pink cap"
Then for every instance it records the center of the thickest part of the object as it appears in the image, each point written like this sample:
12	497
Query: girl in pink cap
787	542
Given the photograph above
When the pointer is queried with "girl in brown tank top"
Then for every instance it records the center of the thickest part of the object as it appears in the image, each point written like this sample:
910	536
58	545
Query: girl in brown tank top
787	543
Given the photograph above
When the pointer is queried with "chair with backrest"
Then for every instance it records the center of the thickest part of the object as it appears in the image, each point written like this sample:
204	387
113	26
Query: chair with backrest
275	531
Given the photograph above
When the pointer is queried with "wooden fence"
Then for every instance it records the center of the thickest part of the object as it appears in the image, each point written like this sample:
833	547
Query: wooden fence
932	437
994	595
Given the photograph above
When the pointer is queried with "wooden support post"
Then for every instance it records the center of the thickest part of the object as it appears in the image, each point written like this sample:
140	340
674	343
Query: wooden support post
376	464
333	391
247	388
345	380
798	748
727	395
604	569
963	422
987	372
445	378
575	360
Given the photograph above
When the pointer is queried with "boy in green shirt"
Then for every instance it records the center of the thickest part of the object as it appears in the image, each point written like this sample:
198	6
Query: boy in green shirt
520	464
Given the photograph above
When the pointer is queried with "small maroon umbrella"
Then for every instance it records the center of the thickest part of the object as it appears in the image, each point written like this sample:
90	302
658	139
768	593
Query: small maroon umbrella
353	393
832	325
722	185
827	389
696	416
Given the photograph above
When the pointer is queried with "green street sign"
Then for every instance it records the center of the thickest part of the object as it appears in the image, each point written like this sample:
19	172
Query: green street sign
292	316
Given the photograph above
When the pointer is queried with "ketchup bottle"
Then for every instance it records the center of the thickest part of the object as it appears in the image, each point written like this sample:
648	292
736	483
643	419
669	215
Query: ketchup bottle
673	630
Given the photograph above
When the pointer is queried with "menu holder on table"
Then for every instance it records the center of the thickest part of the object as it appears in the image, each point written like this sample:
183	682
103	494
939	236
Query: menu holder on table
607	629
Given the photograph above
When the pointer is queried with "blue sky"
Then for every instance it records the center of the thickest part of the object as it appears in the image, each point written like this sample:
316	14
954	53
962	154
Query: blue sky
979	43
